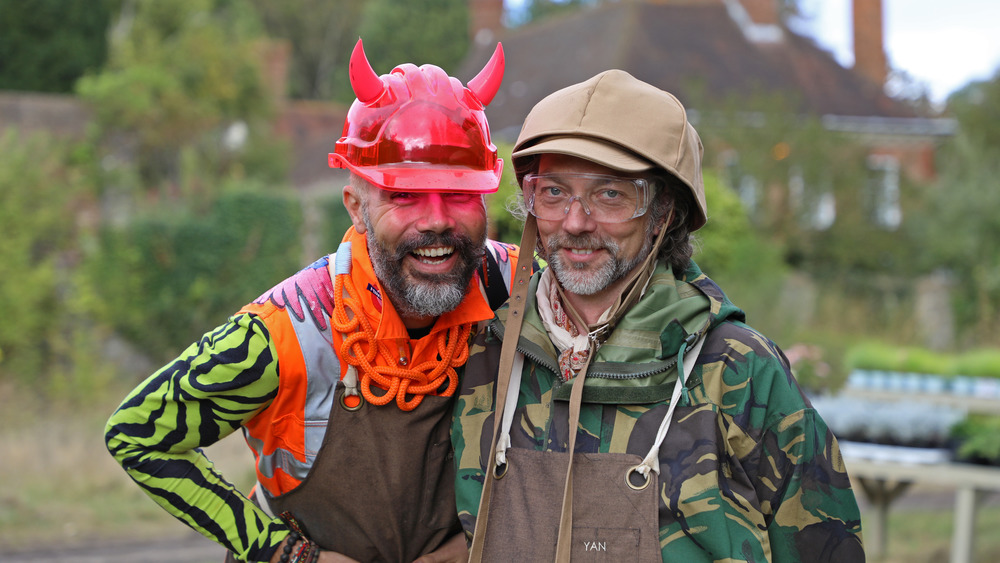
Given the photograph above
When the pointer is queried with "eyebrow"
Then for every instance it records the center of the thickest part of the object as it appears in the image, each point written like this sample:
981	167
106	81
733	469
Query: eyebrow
595	179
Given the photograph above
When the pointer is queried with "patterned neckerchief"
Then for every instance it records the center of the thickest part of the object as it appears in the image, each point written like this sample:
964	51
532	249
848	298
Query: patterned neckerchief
573	345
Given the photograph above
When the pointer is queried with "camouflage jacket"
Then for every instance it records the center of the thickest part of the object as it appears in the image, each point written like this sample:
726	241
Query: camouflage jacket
748	470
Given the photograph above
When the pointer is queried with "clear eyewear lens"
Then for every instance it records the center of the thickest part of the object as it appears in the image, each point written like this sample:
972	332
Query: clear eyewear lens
607	199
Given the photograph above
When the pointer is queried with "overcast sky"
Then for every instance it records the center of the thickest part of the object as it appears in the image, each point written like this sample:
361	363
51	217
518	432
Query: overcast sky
945	44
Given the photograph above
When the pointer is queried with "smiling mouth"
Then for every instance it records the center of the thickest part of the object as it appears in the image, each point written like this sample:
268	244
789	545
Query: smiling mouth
581	250
434	255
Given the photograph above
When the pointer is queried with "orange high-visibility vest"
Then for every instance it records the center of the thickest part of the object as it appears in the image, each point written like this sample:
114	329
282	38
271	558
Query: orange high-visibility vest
286	436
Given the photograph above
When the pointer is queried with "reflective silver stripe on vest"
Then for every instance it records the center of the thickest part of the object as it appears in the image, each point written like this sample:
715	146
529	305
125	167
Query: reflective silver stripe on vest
322	376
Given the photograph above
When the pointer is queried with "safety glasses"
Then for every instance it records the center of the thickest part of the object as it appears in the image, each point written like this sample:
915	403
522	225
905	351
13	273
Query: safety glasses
606	199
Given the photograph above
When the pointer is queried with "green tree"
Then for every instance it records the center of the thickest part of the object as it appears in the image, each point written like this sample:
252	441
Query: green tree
415	31
321	34
38	189
961	225
168	277
178	73
46	45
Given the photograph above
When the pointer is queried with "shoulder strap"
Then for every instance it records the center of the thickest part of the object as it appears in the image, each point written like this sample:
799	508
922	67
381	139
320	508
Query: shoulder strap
512	331
492	276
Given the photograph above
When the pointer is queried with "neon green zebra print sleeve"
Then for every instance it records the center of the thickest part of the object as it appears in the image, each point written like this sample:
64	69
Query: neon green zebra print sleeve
204	395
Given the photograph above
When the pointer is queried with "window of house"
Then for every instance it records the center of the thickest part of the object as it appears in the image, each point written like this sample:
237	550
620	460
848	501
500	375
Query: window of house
746	186
814	204
883	192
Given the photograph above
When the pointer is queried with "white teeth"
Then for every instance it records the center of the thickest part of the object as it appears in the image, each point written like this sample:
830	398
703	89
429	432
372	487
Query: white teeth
581	250
434	252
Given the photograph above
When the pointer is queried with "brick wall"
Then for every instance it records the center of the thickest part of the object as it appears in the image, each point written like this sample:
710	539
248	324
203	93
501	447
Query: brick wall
29	112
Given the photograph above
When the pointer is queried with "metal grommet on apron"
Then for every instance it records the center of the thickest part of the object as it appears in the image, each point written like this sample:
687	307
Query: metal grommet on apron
628	478
351	408
499	471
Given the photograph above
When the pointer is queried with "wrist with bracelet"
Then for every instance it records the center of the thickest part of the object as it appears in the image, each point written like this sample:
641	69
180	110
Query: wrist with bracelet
307	551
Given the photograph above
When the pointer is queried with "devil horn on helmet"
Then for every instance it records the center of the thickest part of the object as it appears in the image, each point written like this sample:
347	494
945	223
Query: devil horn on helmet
365	82
486	84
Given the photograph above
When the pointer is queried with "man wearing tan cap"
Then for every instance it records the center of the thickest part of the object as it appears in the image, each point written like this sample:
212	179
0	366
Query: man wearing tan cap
690	439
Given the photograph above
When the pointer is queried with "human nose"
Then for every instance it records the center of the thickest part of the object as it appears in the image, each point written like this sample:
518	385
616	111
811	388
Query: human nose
578	218
435	215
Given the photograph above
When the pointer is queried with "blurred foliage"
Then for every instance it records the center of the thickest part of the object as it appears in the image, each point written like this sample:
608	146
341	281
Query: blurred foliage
41	185
979	439
321	34
959	224
729	248
176	72
167	278
788	169
981	362
875	355
335	224
503	226
415	31
46	45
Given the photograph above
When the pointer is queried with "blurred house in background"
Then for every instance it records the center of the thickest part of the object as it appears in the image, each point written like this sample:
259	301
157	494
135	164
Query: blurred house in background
708	51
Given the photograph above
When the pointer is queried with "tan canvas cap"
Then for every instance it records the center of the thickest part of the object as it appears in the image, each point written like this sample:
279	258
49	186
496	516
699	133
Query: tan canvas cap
621	122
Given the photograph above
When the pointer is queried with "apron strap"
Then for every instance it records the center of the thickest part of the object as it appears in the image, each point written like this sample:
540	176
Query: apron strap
510	404
566	518
515	316
652	460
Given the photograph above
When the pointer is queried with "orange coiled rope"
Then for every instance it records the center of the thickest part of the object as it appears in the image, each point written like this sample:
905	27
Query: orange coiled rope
360	349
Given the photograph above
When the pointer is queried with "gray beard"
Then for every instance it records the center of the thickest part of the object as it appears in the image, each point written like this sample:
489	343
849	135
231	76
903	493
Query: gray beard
423	295
575	279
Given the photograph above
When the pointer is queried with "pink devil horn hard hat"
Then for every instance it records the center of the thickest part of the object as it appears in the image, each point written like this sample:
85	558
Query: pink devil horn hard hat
418	129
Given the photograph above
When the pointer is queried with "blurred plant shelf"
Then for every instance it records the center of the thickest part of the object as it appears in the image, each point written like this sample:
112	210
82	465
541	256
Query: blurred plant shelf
925	383
916	406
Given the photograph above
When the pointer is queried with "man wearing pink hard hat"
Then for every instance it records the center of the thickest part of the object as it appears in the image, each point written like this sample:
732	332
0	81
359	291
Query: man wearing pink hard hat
342	377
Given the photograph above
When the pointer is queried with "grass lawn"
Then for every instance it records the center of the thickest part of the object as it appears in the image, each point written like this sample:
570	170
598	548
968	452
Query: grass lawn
60	487
920	528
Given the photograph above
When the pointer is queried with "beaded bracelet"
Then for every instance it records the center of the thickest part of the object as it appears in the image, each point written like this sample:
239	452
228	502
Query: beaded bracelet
286	552
308	552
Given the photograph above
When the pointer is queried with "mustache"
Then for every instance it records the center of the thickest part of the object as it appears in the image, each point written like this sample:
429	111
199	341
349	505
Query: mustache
592	241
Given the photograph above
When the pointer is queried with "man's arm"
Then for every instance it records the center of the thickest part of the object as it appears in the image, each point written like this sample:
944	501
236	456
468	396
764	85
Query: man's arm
802	477
204	395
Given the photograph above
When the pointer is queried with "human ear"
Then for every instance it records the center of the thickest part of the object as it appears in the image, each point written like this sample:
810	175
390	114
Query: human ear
664	222
352	202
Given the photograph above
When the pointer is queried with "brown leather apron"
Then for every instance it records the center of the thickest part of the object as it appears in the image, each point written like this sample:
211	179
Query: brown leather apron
382	485
611	520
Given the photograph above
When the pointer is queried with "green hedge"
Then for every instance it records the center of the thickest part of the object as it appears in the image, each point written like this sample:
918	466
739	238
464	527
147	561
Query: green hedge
877	356
40	186
166	280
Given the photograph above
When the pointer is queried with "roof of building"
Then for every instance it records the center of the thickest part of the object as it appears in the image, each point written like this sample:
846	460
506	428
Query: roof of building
699	51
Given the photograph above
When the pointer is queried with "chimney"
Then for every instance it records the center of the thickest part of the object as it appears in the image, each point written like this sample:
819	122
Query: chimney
869	50
762	12
274	56
485	20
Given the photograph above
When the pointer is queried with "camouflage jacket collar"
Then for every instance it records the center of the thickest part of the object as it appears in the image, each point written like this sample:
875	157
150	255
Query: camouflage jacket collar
637	362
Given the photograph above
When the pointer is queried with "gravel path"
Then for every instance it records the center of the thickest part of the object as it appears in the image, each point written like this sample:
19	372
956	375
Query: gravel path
187	548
